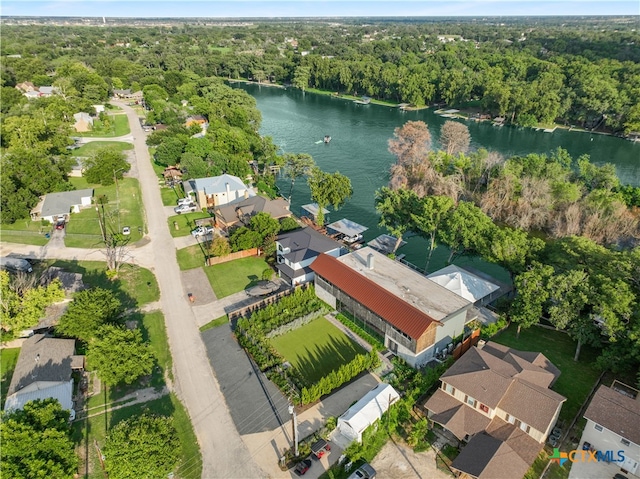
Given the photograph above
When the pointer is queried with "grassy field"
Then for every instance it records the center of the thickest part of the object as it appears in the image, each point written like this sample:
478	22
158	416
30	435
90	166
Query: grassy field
88	432
316	348
135	286
235	276
190	257
154	331
25	231
169	195
185	222
577	378
119	126
83	229
89	149
8	360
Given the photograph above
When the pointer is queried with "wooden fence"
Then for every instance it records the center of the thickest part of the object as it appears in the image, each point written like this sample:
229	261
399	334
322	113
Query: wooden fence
466	344
230	257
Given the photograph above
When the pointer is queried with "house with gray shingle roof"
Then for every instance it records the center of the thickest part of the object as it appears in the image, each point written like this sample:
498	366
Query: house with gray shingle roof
297	249
240	212
498	401
55	206
43	371
613	424
217	190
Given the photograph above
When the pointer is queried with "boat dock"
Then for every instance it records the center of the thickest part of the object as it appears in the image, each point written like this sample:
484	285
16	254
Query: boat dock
347	231
385	243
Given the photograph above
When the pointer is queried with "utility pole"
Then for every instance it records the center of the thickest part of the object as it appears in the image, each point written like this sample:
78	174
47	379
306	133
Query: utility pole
294	424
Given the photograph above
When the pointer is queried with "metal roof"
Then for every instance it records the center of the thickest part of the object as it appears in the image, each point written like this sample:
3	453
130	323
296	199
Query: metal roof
218	184
347	227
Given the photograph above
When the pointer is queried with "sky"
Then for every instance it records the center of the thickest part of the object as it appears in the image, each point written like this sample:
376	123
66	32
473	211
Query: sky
305	8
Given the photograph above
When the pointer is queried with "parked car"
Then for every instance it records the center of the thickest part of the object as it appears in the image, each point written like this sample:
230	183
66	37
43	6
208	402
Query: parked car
126	230
184	201
302	467
185	208
16	265
202	231
363	472
60	224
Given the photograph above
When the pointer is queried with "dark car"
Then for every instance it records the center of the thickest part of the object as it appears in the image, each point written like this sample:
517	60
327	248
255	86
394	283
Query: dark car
60	225
302	467
619	476
363	472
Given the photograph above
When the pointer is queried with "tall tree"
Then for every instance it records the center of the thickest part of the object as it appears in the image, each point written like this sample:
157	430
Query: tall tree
532	294
36	442
512	249
411	142
396	208
297	166
430	215
119	355
142	446
328	189
89	310
466	230
454	137
105	166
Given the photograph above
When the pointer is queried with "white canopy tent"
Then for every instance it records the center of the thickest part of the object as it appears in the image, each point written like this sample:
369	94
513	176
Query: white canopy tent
463	283
366	411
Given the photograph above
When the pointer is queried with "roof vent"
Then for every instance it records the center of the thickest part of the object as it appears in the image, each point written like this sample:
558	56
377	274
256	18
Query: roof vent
370	262
481	344
38	358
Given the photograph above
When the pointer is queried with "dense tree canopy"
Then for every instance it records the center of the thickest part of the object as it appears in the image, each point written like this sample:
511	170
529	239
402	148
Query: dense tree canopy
89	310
36	442
105	166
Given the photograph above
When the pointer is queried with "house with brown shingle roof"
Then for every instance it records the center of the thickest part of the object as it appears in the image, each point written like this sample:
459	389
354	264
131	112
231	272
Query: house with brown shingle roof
497	400
240	212
416	317
613	424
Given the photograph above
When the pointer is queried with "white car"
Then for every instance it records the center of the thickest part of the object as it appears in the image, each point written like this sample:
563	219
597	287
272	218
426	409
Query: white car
202	231
184	201
185	208
126	230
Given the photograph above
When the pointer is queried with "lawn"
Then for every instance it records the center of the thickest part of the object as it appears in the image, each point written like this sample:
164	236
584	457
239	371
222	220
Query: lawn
119	126
25	231
316	349
90	148
169	195
8	360
190	257
135	286
235	276
88	432
154	331
577	378
186	223
83	229
215	323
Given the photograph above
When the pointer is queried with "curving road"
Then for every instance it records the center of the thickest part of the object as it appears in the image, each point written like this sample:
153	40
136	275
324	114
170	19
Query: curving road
224	454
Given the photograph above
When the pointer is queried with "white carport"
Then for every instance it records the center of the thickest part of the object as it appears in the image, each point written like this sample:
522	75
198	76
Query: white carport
366	411
464	283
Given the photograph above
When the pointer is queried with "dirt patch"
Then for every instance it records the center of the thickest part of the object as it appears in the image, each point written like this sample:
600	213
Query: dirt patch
398	461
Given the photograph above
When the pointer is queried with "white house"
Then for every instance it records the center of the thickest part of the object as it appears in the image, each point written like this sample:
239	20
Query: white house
217	190
613	424
366	411
55	206
43	371
466	284
297	249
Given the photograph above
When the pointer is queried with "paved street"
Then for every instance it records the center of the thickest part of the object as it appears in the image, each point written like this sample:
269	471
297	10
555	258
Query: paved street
224	454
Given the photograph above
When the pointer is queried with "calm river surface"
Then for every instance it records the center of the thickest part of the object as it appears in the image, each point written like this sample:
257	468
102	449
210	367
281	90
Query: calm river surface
298	121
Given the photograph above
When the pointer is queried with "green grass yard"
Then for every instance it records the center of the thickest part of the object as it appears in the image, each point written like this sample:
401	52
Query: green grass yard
8	360
576	379
235	276
25	231
135	286
83	229
119	126
190	257
186	222
215	323
90	148
316	349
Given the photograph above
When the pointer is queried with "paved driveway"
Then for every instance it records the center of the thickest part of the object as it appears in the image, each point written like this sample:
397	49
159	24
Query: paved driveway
255	403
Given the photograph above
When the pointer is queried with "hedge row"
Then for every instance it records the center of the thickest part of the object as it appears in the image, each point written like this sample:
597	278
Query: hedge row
300	303
372	340
335	379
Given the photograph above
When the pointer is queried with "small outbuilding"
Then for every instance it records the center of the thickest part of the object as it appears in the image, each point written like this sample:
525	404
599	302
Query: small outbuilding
366	411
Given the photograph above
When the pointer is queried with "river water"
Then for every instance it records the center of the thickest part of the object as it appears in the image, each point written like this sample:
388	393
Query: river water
298	122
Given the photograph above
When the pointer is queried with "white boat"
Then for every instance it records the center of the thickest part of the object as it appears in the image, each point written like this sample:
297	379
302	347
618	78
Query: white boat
327	138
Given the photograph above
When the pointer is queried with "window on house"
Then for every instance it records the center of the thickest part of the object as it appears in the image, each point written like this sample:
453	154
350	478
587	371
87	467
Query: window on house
525	427
511	419
625	442
450	389
484	408
471	402
598	427
518	423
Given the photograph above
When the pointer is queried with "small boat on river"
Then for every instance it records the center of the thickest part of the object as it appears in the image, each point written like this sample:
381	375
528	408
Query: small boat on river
327	138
